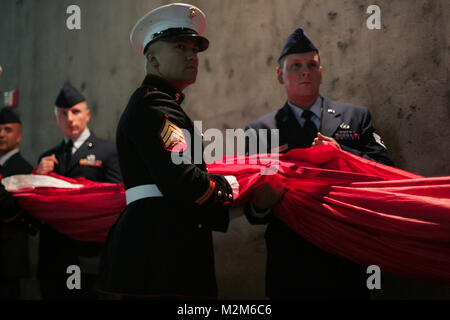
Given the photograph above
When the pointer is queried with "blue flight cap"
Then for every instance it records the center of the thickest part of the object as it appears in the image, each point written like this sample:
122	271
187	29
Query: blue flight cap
68	96
297	42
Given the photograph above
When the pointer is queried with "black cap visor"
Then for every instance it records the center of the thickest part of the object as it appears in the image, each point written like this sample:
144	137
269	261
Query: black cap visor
179	33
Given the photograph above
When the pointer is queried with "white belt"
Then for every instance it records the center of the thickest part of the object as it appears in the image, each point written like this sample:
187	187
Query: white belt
141	192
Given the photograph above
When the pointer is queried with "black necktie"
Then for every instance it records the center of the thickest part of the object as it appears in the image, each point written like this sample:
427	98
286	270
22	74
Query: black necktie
309	126
66	156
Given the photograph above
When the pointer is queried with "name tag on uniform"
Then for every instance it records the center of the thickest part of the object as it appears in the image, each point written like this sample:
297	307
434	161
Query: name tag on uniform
90	161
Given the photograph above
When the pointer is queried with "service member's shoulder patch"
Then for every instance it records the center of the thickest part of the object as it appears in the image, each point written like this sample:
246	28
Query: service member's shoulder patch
172	137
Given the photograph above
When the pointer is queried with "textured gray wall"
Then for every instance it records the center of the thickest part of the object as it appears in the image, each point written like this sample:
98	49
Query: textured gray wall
400	72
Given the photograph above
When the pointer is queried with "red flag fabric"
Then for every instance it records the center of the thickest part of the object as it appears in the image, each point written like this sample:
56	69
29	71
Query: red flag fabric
366	212
347	205
85	213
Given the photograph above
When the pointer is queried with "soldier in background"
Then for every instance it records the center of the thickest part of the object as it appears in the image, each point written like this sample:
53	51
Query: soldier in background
80	154
14	256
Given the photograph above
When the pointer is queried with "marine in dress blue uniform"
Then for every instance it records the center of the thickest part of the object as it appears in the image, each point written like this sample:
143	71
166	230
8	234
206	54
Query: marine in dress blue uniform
80	154
297	269
161	245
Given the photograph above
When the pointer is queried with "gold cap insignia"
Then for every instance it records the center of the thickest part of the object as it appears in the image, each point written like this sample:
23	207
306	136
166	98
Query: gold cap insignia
192	12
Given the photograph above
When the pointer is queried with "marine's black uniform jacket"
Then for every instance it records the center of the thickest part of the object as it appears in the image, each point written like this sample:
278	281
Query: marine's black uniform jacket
163	245
57	251
295	267
14	245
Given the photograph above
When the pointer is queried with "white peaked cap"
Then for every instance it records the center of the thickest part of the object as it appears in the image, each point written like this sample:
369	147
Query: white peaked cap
176	20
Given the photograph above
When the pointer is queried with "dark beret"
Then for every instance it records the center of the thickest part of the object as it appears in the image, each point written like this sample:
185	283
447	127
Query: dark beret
68	96
297	42
8	116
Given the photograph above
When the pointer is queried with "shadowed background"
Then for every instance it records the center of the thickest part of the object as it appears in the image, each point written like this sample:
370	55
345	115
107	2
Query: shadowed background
400	72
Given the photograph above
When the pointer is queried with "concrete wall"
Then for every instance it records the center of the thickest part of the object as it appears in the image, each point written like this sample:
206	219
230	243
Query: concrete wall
400	72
